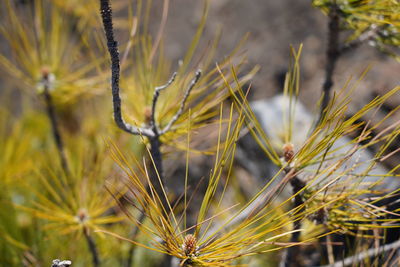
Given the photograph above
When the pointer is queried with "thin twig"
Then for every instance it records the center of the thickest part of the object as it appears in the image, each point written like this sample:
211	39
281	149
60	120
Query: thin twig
51	113
183	102
332	55
64	163
106	14
364	37
92	248
372	252
155	100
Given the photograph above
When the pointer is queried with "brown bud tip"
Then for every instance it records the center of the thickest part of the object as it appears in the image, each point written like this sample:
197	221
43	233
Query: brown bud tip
288	151
147	114
82	215
45	71
189	244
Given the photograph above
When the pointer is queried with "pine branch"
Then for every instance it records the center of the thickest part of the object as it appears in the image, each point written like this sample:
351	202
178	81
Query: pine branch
157	92
51	114
92	248
106	14
152	133
291	255
332	55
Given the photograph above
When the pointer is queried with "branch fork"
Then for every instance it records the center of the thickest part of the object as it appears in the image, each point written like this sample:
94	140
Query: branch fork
151	132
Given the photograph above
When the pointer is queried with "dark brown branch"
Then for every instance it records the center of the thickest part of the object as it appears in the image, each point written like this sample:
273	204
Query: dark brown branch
332	55
64	163
291	256
157	166
151	133
92	248
335	51
51	113
106	14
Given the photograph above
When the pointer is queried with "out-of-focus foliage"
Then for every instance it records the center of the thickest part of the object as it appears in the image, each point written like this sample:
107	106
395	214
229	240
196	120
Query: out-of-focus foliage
374	21
15	163
71	203
85	13
43	43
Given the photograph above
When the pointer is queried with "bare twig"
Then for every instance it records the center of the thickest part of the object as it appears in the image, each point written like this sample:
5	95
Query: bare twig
46	82
332	55
364	37
151	132
183	102
370	253
155	99
155	143
106	14
92	248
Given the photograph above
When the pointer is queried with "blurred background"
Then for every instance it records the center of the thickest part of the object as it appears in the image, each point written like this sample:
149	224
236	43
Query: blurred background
274	26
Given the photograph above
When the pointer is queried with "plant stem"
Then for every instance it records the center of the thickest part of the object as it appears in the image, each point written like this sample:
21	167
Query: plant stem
51	113
106	14
151	133
332	55
155	152
92	248
290	258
